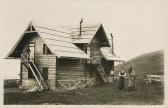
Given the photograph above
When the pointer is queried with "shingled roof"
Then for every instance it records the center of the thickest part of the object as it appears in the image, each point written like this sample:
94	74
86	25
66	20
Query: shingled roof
107	54
61	39
87	33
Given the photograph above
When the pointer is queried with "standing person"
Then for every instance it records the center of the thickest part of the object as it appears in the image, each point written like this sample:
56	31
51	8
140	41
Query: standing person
112	75
121	82
131	82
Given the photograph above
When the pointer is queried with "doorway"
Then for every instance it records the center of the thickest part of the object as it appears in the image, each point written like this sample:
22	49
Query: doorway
31	51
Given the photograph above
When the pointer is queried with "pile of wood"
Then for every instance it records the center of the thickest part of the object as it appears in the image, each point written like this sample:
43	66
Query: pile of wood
152	78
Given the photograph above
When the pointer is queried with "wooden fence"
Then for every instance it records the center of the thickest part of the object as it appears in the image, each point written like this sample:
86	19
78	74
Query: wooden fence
74	84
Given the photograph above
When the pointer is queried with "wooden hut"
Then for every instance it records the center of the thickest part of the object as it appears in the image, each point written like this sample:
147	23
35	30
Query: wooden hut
63	57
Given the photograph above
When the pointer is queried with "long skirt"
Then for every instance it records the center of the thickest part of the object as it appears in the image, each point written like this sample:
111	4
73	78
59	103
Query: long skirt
131	83
121	83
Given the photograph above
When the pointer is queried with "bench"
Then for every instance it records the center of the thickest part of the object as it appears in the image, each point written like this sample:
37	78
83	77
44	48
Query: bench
157	78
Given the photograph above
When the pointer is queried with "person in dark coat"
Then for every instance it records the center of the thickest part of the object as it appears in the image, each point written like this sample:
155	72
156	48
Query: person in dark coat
121	82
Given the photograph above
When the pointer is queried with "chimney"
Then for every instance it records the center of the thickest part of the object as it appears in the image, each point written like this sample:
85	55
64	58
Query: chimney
81	26
112	45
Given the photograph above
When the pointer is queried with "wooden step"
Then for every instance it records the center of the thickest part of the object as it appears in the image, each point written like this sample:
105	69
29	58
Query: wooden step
33	89
102	73
36	73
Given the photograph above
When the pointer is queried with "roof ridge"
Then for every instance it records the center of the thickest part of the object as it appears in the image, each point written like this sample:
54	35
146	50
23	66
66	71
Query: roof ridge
49	26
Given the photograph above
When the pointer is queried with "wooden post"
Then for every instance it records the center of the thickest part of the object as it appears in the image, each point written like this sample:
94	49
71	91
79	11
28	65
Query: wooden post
21	71
85	70
112	44
56	73
80	26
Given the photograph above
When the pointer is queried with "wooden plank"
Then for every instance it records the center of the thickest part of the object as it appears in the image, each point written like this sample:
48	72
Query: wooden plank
51	80
49	55
70	65
51	83
51	77
71	73
52	59
71	69
71	76
52	73
46	58
44	64
48	66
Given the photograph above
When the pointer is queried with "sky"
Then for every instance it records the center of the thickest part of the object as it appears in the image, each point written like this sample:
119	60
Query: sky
138	26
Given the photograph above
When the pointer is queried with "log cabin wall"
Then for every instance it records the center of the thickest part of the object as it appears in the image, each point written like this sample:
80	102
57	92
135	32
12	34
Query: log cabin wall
89	68
49	62
70	69
86	65
42	61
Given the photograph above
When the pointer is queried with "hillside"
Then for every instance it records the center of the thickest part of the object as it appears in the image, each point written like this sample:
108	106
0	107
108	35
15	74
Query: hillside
149	63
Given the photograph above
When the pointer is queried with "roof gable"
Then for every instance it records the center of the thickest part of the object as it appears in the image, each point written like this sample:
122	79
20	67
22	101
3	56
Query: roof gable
101	37
12	52
58	41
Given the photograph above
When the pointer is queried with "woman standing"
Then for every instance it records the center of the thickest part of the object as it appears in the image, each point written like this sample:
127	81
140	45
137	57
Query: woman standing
122	75
131	82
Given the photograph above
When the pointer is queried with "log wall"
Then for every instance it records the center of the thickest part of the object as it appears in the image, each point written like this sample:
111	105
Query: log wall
70	69
50	62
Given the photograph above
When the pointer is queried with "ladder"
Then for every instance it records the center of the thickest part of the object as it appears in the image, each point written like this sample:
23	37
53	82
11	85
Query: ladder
40	80
100	69
102	73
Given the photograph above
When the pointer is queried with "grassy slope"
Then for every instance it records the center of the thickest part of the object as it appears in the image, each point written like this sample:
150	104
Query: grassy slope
149	63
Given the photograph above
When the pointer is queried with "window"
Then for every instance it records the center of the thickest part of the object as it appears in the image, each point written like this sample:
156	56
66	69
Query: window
30	74
46	50
45	73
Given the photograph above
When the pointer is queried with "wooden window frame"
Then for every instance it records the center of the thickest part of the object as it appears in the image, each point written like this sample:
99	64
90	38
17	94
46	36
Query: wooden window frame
46	50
